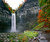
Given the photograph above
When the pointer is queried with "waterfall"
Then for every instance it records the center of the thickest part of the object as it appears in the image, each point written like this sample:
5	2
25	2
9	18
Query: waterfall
20	19
13	23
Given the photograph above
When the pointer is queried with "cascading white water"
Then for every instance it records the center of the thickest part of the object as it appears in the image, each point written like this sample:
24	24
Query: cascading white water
14	5
13	23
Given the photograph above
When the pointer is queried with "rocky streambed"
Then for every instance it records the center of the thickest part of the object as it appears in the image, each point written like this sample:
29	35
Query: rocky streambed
14	37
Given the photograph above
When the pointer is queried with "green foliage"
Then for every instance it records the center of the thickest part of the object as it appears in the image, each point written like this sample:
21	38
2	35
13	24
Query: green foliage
11	36
42	2
22	38
1	41
39	26
13	41
31	34
46	28
34	24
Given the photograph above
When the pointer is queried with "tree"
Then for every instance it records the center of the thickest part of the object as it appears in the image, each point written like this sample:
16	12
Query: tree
44	13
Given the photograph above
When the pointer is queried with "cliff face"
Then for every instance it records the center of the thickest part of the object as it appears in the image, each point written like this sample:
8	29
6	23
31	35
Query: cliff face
4	16
29	12
29	7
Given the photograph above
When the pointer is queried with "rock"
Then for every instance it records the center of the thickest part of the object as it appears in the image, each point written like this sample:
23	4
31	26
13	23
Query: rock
42	38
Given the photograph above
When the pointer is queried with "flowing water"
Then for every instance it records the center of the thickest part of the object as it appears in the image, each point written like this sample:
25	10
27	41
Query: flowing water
13	23
16	27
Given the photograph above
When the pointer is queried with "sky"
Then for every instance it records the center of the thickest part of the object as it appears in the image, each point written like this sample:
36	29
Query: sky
14	3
